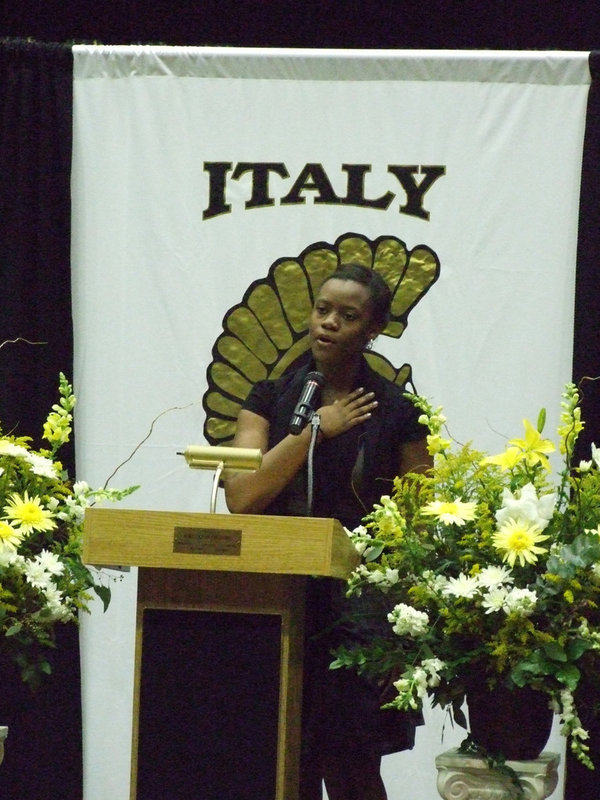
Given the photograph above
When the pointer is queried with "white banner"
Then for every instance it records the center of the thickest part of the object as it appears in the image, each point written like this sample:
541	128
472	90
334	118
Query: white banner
197	170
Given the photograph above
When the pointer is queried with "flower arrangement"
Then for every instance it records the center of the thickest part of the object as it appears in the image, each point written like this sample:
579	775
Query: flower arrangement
43	581
487	568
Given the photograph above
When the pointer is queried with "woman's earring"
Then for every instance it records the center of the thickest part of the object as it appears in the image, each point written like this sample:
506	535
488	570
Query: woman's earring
369	344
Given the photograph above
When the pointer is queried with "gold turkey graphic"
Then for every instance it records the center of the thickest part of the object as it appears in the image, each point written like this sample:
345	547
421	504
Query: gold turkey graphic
266	334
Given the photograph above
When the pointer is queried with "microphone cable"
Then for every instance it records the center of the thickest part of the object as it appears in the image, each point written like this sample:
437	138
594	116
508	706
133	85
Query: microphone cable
315	423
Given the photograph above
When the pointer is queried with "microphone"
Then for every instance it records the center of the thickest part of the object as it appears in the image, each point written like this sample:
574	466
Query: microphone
306	402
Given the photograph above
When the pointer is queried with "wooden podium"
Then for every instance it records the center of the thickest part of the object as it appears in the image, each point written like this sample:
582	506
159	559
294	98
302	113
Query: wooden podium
225	563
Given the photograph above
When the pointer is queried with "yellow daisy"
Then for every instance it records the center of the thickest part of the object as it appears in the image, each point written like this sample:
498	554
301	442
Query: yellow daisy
10	537
519	540
454	512
28	513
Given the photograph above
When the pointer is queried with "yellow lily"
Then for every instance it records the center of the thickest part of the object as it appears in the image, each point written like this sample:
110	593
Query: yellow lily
506	460
534	447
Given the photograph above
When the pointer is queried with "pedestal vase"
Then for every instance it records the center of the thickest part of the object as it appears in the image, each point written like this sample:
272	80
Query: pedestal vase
465	777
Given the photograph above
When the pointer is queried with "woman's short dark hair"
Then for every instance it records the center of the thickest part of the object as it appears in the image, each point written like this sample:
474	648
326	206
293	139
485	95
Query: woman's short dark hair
381	296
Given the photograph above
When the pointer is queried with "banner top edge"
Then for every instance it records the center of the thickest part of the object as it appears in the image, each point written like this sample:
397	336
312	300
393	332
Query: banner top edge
506	66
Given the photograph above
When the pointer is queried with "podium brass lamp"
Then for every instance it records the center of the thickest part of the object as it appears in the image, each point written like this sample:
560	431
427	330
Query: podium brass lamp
223	460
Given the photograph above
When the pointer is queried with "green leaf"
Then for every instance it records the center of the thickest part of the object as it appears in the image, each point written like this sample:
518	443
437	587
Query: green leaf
535	664
583	551
555	651
458	714
103	593
569	675
577	647
374	551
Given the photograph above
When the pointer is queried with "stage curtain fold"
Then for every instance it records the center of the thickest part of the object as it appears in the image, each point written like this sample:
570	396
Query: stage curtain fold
586	339
581	783
35	208
43	749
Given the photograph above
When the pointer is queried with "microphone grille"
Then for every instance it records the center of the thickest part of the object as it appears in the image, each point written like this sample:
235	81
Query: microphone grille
317	377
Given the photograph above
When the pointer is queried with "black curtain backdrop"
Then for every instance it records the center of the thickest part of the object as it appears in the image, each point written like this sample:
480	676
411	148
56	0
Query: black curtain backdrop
583	784
36	90
43	751
586	337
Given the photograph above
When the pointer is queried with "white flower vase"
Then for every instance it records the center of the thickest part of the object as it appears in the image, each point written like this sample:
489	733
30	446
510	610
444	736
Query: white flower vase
3	735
